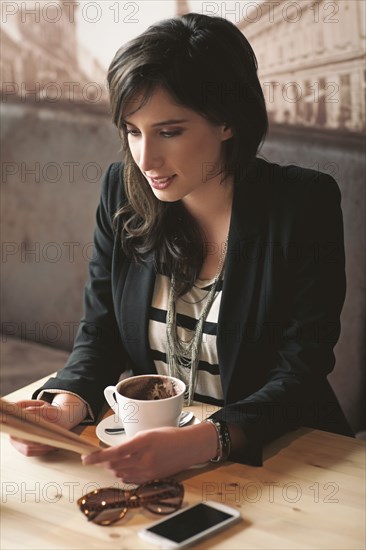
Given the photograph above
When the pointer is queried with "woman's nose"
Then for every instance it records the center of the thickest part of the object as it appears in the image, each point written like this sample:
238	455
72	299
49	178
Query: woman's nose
150	156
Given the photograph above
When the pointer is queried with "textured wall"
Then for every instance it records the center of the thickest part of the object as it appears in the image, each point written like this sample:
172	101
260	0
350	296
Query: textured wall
48	220
48	216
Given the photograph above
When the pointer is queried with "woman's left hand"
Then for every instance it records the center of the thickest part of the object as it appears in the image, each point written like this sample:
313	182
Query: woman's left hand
159	453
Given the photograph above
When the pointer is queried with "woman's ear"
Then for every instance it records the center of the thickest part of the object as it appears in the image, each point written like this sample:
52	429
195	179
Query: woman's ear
226	132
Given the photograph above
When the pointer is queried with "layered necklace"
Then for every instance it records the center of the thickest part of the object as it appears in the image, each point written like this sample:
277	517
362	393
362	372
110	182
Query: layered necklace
183	356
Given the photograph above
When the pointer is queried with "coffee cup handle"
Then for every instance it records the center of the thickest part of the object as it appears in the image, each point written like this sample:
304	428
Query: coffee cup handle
109	394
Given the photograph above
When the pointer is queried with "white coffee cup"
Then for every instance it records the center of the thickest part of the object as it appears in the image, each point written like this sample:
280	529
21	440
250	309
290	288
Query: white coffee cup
146	402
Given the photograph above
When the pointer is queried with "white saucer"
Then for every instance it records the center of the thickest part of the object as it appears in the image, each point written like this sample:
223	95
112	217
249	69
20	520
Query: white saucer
113	422
110	422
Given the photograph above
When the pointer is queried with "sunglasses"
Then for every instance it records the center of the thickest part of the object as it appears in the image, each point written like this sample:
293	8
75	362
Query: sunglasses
110	504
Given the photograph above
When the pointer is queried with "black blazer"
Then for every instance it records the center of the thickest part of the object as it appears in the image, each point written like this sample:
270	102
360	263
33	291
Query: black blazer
282	296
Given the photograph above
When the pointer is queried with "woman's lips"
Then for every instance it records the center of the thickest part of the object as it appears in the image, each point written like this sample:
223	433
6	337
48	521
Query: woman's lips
161	183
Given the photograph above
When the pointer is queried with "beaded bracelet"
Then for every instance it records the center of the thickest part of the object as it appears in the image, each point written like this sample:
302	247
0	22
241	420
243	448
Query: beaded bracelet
223	440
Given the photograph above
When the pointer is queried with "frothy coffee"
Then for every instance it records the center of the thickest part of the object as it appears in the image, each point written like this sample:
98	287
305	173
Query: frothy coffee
150	388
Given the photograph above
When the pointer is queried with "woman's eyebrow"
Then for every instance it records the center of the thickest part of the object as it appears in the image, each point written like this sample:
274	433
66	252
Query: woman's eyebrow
162	123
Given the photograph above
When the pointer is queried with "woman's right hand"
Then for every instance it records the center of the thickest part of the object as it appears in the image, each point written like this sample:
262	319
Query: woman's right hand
41	409
65	410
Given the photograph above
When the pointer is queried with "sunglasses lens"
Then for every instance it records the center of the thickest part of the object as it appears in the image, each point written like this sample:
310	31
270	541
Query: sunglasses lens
161	497
104	506
107	517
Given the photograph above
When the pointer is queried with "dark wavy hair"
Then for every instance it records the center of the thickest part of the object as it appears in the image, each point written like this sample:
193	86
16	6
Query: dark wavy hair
206	64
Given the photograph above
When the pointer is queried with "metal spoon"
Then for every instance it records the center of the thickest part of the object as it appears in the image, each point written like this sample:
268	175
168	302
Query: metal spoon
185	417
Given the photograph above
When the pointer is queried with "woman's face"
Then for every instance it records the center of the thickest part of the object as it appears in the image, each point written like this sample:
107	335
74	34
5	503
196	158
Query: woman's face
177	150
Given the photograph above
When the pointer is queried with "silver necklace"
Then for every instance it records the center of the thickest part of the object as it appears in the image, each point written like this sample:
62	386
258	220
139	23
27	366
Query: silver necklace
182	356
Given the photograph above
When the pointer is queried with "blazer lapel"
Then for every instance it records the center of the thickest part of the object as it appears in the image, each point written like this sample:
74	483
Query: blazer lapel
136	301
241	274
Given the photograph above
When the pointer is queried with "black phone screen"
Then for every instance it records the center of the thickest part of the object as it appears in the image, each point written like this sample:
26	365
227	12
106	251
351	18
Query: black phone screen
190	522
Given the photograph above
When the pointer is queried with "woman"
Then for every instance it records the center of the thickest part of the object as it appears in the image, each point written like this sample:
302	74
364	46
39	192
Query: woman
193	222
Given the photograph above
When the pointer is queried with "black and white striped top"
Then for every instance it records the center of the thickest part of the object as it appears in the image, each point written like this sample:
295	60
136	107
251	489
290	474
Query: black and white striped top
188	307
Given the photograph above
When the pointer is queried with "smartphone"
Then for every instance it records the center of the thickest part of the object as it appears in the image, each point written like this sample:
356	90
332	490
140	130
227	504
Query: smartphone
190	525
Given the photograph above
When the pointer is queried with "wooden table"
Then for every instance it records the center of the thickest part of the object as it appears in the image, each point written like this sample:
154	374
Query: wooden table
310	493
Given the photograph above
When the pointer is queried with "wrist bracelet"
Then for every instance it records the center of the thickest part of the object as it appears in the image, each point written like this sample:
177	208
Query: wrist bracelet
223	440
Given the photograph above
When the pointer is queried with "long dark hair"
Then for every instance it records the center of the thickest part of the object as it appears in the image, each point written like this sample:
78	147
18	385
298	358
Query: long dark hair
206	64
